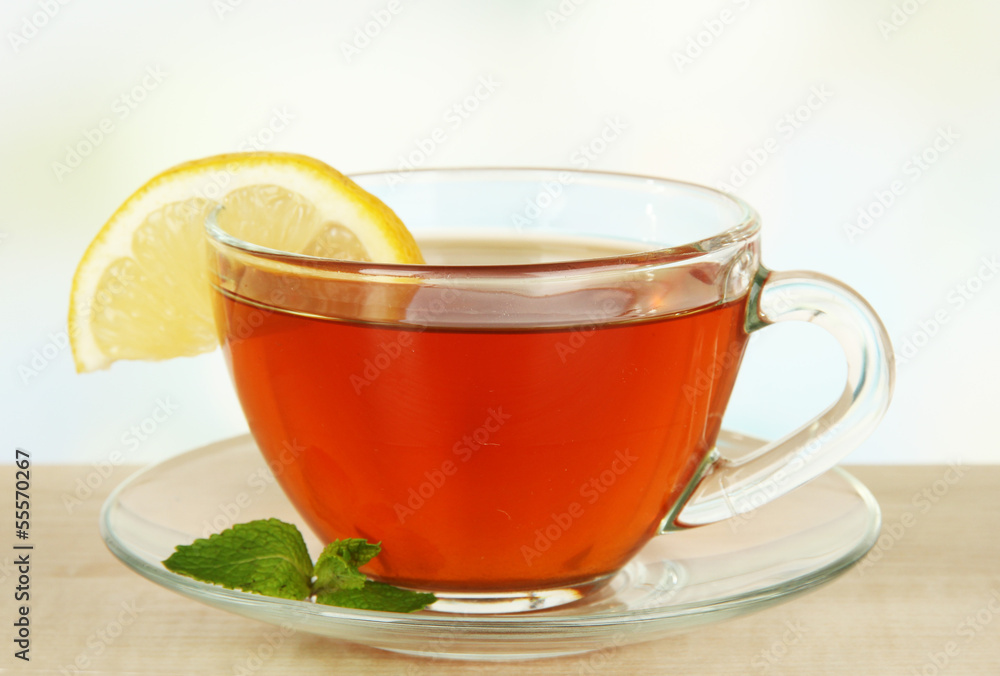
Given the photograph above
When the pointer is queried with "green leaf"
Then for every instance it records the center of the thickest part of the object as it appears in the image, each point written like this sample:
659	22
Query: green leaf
355	551
269	557
378	596
337	566
266	557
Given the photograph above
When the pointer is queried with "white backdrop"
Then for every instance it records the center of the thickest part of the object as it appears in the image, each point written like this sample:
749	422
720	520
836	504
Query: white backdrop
865	133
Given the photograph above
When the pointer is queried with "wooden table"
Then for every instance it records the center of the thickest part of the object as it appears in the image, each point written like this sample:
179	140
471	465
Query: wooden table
927	602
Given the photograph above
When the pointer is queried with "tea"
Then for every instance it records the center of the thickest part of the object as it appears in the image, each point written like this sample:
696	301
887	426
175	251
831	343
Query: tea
485	458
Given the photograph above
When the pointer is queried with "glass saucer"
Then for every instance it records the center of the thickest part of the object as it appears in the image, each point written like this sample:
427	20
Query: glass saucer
677	582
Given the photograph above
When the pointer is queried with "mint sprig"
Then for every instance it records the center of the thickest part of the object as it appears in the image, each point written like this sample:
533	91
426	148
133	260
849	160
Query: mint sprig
377	596
266	557
337	566
269	557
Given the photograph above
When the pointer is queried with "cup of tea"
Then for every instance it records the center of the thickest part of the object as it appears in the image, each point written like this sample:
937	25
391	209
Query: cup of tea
516	418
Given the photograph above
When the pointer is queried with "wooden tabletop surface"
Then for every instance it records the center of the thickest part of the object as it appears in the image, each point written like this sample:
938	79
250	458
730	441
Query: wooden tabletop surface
927	602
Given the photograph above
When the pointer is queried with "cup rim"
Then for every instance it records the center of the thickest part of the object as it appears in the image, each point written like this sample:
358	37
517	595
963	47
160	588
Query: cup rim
746	228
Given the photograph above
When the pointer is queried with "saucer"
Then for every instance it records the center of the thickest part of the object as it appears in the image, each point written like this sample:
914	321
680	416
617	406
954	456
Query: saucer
679	581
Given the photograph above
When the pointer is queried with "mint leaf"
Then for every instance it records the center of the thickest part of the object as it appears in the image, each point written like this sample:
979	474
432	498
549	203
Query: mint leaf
266	557
377	596
339	583
269	557
337	566
355	551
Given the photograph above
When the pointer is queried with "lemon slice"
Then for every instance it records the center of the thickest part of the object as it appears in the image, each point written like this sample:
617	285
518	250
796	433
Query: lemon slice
141	290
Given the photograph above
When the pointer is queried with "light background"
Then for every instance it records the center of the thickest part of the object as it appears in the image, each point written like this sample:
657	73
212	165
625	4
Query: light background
227	68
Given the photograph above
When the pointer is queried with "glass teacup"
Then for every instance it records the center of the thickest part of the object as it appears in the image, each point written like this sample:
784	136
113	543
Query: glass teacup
517	418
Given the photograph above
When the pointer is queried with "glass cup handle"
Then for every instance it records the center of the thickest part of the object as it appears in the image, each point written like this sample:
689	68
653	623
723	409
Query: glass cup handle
727	487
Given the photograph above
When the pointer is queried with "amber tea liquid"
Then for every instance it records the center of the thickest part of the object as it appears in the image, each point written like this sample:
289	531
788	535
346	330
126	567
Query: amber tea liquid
485	459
